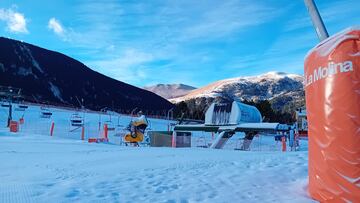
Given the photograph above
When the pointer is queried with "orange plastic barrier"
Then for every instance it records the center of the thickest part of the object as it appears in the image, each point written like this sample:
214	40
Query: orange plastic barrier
332	88
102	139
91	140
97	140
283	142
14	126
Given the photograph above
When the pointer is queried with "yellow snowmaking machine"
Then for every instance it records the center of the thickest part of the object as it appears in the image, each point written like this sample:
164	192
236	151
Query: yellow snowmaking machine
136	130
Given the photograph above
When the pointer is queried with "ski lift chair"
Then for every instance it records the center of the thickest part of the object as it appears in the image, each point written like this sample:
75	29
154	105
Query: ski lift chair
21	107
5	105
45	113
76	120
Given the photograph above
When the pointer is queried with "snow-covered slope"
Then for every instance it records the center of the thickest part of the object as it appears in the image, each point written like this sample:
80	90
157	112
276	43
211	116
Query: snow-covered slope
169	91
48	169
93	122
38	168
264	86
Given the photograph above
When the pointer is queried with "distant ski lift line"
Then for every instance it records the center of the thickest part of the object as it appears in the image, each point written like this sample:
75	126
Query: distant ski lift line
316	20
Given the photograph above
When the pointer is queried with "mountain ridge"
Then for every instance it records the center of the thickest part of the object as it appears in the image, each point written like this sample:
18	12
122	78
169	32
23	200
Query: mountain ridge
47	75
285	91
215	88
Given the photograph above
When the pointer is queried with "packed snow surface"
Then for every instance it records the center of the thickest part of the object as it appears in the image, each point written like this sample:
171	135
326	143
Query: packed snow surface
38	168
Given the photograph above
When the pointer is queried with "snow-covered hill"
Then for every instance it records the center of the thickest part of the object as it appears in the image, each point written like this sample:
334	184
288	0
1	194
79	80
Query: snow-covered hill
278	87
169	91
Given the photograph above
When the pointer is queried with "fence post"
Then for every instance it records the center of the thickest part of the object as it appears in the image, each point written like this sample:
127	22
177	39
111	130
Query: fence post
106	131
52	128
83	132
292	140
173	140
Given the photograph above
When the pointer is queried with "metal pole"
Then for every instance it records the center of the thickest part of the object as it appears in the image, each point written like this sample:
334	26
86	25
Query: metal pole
10	114
316	20
133	111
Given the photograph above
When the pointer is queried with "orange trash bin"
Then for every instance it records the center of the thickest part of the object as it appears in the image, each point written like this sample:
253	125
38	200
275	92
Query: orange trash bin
332	89
14	126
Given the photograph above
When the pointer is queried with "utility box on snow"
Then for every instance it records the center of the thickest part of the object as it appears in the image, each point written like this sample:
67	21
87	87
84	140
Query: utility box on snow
160	138
164	139
183	139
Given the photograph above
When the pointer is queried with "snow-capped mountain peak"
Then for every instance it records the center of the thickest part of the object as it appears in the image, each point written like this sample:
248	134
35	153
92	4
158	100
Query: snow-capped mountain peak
169	91
269	86
275	74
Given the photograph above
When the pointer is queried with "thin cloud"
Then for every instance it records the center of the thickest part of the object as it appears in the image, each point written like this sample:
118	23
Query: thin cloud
15	21
127	67
67	34
56	27
101	30
166	29
229	18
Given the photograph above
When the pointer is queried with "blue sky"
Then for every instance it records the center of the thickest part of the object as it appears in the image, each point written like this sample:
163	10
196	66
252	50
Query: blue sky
169	41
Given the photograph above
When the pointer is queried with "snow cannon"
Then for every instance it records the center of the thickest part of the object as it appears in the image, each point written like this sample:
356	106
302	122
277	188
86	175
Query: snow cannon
231	114
332	87
136	130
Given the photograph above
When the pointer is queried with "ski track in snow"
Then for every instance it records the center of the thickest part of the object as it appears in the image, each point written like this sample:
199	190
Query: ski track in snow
39	168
